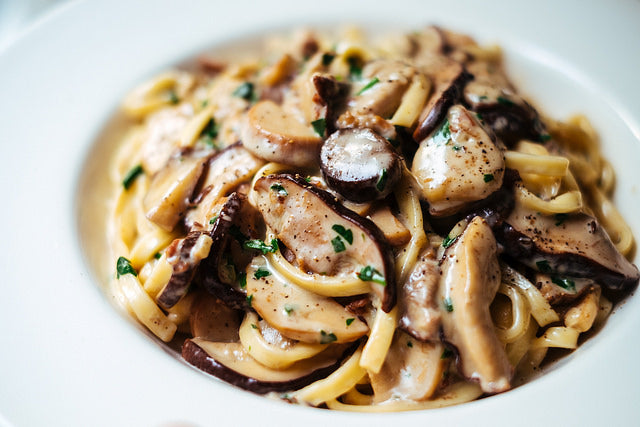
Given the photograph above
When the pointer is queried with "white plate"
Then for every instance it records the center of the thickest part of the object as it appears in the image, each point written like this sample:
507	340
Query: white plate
69	358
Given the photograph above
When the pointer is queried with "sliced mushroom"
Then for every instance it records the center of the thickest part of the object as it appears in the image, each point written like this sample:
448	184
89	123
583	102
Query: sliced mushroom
384	82
162	135
184	256
491	95
231	363
458	164
275	135
360	165
448	85
326	237
170	189
213	320
297	313
420	313
212	276
572	245
394	230
470	280
412	370
225	171
328	96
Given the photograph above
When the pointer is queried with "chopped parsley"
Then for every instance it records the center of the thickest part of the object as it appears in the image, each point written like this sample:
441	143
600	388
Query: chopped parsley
327	59
173	97
249	300
483	97
488	177
242	280
370	274
338	244
355	68
456	148
443	134
157	255
131	176
245	91
410	344
288	308
326	338
350	321
382	180
448	241
213	220
369	85
319	126
211	129
123	266
567	284
279	189
254	326
448	305
446	353
543	266
505	101
260	273
261	246
308	179
347	234
545	137
560	218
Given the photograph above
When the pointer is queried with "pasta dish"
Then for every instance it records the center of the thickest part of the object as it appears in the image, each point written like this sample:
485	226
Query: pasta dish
363	224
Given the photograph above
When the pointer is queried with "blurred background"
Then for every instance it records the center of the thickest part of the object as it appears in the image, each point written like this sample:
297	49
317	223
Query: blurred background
16	15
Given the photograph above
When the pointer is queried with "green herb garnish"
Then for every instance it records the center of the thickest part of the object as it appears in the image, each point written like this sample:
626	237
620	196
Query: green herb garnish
157	255
279	189
369	85
123	266
261	246
131	176
504	101
249	300
327	59
410	344
355	69
346	233
545	137
242	280
488	177
326	338
245	91
543	266
382	180
567	284
448	305
443	135
173	98
260	273
288	308
319	126
350	320
213	220
338	244
560	218
254	326
456	148
370	274
446	353
447	241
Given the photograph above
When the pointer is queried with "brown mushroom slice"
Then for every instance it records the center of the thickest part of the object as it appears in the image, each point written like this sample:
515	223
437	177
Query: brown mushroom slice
170	189
492	96
383	85
212	276
297	313
470	280
420	314
394	230
571	245
449	82
412	370
162	134
231	363
184	256
325	237
275	135
224	172
360	165
458	164
212	320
